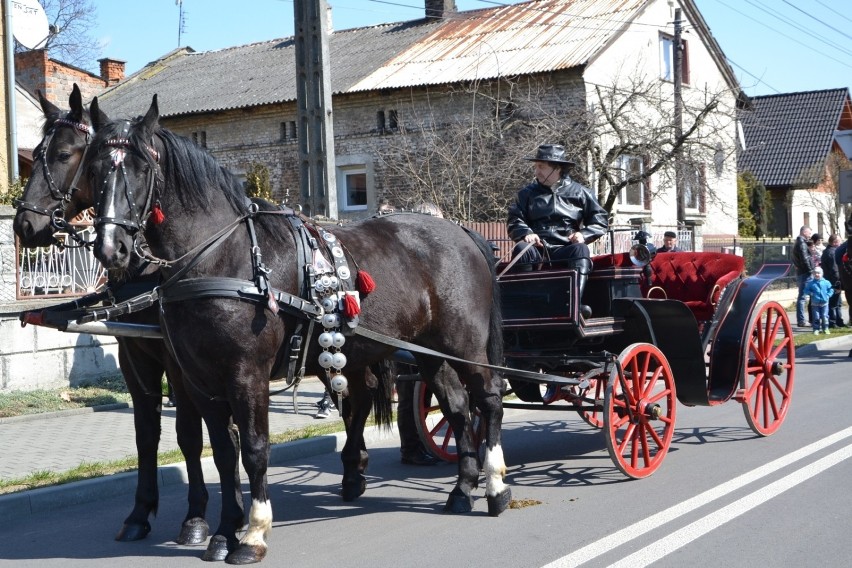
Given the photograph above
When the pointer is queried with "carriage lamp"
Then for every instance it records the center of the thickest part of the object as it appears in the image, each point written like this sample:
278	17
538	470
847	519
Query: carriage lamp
642	252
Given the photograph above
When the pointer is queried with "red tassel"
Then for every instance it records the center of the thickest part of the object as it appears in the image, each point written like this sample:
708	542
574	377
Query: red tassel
844	258
365	282
350	306
157	215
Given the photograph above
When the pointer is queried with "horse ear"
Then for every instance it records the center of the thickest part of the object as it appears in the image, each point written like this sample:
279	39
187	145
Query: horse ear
99	118
152	117
75	101
50	110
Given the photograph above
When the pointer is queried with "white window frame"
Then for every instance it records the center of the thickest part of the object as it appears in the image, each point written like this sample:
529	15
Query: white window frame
622	166
343	174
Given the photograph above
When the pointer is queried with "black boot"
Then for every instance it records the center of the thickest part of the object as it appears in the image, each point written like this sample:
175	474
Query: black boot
584	268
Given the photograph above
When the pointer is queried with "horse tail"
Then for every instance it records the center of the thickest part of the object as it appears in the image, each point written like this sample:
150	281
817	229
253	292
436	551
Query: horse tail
385	373
494	349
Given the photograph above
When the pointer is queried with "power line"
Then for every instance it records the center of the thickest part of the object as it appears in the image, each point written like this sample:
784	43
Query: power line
817	19
832	10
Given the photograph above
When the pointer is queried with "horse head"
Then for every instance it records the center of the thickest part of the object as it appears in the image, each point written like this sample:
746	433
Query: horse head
123	173
56	191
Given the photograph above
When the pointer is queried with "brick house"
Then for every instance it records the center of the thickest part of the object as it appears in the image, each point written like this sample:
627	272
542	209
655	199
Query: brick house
240	102
791	141
35	70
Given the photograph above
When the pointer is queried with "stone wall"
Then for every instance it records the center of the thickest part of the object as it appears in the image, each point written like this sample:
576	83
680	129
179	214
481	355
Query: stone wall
37	357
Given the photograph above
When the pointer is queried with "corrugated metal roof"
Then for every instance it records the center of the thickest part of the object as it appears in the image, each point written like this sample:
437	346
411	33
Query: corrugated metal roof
788	136
531	37
520	39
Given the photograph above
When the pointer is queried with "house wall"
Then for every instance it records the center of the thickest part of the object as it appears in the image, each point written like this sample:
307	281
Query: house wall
34	357
635	55
239	137
36	71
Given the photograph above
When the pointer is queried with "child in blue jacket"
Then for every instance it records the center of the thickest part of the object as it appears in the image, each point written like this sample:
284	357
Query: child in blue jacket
820	290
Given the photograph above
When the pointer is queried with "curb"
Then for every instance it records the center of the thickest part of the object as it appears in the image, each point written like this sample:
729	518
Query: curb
15	506
841	342
63	413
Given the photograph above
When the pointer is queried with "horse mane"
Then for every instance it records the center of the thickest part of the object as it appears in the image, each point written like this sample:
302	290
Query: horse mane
196	172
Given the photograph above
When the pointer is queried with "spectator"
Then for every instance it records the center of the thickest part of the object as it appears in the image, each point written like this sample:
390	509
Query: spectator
803	264
832	275
816	253
669	243
820	292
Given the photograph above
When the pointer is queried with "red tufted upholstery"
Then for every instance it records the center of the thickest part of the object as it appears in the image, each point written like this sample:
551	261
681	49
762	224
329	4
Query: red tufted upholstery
695	278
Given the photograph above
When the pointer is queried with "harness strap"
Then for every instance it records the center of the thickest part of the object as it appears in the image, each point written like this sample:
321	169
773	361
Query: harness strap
400	344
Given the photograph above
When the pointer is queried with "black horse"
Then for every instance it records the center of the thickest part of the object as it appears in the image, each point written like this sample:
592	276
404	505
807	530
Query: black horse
55	193
233	304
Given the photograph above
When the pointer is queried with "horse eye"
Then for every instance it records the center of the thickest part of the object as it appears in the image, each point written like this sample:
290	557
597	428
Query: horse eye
64	156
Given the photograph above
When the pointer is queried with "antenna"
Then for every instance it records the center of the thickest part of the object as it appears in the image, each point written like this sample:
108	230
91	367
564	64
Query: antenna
29	23
181	20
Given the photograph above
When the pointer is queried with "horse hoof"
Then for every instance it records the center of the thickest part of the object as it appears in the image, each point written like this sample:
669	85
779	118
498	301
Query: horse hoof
193	531
217	550
458	502
246	554
499	503
352	491
131	532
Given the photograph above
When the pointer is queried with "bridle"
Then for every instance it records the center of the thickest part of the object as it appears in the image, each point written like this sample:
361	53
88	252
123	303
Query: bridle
119	148
57	214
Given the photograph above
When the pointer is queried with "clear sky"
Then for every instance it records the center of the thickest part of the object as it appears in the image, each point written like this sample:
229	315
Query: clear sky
773	45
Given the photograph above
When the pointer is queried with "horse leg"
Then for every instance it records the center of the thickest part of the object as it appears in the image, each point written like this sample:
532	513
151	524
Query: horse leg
194	529
453	399
356	410
251	414
225	441
487	390
142	376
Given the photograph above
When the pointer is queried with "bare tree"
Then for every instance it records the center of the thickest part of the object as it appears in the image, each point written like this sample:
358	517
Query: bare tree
70	41
472	164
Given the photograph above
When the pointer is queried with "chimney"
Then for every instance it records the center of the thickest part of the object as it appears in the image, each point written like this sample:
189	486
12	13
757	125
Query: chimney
438	9
329	20
112	70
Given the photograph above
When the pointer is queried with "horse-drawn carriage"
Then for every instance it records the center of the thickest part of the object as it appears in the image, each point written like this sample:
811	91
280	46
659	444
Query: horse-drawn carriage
233	309
686	326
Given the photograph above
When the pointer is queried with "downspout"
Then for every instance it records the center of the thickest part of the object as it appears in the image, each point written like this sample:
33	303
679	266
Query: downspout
11	113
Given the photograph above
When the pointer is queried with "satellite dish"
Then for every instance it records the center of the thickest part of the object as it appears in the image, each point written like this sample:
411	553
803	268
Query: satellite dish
29	23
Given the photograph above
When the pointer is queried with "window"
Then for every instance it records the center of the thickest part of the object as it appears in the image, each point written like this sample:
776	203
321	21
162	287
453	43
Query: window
352	188
807	222
693	186
634	193
667	59
200	138
288	131
387	121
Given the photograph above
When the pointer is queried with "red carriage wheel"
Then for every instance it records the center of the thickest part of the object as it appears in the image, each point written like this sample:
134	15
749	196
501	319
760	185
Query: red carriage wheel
435	430
639	410
595	390
767	383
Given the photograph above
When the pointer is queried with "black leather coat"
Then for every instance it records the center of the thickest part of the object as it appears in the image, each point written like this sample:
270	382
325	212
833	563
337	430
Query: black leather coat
801	256
555	213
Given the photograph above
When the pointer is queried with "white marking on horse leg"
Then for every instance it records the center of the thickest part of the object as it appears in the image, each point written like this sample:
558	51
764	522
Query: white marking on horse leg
495	471
260	523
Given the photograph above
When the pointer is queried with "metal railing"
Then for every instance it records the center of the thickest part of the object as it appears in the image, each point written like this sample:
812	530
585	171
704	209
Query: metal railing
57	271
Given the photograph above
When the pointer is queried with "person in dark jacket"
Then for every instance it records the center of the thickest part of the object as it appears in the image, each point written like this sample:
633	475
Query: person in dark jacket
669	242
804	266
555	218
555	214
832	275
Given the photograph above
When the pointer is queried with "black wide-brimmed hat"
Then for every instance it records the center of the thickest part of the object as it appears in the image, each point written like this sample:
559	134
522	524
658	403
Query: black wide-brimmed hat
553	153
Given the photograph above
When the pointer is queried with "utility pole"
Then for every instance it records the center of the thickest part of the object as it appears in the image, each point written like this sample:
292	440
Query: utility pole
677	76
318	188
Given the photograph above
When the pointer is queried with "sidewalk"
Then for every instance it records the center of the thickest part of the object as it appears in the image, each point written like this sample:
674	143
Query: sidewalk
63	440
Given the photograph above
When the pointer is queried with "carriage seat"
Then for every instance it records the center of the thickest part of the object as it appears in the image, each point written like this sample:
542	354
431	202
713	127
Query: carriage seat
694	278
